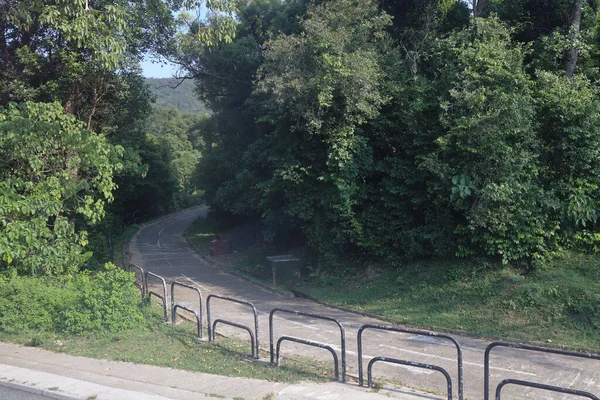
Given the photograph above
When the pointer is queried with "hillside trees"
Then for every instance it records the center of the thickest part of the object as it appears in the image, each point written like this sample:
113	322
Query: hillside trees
430	134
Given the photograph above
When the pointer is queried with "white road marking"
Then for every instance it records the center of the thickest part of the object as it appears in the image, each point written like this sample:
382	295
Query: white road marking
591	382
292	322
194	283
452	359
575	380
170	254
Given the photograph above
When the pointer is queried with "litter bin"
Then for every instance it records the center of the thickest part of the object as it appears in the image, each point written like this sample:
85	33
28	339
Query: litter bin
221	245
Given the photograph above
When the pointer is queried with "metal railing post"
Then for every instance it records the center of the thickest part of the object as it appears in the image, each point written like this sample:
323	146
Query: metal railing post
316	316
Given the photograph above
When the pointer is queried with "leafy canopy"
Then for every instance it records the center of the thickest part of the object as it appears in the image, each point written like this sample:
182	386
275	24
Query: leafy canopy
53	173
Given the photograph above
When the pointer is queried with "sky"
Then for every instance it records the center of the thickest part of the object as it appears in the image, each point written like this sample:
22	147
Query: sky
164	69
157	69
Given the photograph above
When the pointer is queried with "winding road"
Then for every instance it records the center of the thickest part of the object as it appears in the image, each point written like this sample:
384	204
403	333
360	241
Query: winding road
161	248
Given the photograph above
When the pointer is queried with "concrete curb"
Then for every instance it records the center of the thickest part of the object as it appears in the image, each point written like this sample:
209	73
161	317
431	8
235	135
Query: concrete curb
51	394
54	386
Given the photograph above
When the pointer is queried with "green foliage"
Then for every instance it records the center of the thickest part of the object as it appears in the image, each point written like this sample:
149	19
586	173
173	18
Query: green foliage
52	171
107	302
570	131
167	149
432	134
72	304
490	142
327	80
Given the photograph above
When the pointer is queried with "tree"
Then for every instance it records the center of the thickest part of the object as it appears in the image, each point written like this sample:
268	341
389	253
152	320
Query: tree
54	173
574	24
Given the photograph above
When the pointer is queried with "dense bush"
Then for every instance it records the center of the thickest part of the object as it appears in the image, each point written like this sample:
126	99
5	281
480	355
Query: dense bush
82	303
52	172
429	134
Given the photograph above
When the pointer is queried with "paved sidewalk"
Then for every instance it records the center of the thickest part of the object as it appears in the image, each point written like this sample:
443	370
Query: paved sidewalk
60	376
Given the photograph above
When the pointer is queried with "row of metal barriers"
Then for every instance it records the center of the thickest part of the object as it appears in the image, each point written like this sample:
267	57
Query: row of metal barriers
275	347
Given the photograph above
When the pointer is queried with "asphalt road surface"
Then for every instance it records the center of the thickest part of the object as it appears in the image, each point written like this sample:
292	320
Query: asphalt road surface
161	248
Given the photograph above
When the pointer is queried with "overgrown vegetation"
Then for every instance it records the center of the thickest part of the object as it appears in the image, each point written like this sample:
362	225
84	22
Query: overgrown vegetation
84	154
155	343
375	130
441	132
555	306
76	304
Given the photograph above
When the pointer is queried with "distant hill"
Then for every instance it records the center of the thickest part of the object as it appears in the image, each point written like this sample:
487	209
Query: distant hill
182	98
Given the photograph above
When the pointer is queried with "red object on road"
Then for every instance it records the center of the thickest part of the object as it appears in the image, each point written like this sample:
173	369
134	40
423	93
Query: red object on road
220	246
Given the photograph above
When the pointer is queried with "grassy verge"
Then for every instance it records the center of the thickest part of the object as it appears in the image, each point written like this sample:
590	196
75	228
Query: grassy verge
200	233
162	345
557	306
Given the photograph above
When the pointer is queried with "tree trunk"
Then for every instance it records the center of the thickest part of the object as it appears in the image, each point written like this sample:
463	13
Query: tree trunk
574	23
481	9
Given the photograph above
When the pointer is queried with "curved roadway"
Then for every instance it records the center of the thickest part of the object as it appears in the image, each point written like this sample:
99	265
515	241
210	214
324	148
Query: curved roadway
161	248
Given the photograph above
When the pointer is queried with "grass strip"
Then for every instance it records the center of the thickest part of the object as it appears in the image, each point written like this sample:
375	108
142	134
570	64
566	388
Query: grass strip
163	345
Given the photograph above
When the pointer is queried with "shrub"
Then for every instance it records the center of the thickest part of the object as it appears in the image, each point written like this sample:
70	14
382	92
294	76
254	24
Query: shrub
83	303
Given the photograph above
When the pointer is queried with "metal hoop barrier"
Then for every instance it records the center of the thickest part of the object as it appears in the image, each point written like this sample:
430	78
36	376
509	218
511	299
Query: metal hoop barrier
150	293
316	316
310	343
244	327
198	318
409	363
211	328
543	387
413	332
174	305
141	286
486	377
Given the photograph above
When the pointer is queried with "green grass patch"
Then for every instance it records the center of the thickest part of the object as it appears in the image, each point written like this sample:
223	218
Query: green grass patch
160	344
201	232
558	305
